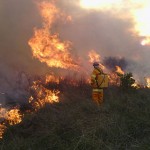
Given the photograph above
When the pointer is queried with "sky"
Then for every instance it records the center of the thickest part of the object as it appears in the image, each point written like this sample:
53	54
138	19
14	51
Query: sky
113	29
110	31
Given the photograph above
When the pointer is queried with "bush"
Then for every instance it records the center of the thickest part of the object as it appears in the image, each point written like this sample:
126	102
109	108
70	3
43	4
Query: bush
127	81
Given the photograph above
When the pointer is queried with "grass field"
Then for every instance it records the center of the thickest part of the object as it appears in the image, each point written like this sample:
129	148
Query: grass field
122	122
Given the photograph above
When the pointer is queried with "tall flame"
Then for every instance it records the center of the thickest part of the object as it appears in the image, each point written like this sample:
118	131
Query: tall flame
43	95
119	70
47	47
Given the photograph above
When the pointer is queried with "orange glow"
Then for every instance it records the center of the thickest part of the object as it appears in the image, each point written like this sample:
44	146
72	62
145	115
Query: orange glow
14	116
119	70
147	79
42	95
136	85
52	78
114	79
94	57
2	130
46	46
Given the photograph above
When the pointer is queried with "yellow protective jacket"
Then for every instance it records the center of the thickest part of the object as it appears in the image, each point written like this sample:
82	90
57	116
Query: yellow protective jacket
94	77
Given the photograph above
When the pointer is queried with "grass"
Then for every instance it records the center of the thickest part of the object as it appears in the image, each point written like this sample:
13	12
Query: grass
122	122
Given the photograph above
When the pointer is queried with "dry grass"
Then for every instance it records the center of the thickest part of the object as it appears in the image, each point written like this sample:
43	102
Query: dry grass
76	123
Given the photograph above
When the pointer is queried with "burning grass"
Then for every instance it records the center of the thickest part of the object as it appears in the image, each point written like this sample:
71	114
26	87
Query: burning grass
122	122
44	90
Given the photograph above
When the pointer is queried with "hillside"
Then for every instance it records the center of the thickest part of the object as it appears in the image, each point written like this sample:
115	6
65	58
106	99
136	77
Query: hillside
76	123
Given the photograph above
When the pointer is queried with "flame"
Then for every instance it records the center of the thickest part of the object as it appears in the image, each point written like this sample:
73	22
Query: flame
47	47
114	79
2	125
94	57
49	97
2	130
119	70
14	116
147	79
136	85
42	95
52	78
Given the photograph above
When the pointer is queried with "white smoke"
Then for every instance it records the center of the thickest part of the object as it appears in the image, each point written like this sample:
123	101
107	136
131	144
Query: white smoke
109	32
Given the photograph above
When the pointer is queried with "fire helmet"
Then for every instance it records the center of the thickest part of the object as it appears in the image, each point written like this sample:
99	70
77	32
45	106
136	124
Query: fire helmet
95	64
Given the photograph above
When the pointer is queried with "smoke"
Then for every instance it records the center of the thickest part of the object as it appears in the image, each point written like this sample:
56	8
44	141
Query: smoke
17	25
18	18
112	62
107	31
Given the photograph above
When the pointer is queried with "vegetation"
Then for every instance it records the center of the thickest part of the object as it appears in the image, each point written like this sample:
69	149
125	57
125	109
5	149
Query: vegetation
122	122
127	81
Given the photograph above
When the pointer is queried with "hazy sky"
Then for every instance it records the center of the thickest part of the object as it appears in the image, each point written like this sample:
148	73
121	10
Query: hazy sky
108	30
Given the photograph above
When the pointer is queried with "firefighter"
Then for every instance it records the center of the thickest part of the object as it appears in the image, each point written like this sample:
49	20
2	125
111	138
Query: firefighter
97	85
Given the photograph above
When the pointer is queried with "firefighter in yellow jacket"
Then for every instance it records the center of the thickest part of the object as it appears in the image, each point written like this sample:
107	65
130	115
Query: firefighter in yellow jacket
98	82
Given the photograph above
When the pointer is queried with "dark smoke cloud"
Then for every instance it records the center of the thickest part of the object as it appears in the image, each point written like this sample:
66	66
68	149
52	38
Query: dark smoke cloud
112	62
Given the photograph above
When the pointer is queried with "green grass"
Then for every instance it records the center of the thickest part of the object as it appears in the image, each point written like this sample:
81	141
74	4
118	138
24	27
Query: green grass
76	123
